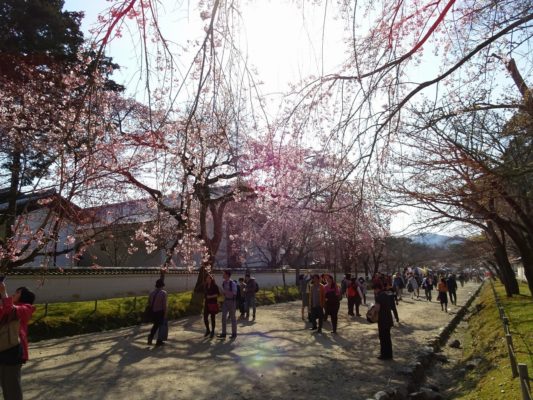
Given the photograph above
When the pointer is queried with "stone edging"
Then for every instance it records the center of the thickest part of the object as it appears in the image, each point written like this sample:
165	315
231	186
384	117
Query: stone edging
427	355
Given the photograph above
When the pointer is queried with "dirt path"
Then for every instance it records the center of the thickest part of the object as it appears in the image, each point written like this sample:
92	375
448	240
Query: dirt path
273	357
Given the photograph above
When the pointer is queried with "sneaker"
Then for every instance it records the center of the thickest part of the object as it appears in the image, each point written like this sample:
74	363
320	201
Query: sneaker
233	336
212	334
319	331
207	333
149	342
221	336
159	343
314	328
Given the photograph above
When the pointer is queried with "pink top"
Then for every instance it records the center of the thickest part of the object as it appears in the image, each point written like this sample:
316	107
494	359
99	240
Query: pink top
24	313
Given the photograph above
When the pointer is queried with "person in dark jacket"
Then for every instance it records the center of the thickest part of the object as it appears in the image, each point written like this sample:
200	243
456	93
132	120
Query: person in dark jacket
385	324
11	359
158	302
452	289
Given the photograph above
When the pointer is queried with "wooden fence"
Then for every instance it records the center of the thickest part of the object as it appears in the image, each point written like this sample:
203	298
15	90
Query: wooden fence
517	369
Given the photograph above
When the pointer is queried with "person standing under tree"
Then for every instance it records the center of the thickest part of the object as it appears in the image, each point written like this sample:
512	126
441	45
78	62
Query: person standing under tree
158	302
333	296
249	295
11	359
303	286
211	293
317	301
229	290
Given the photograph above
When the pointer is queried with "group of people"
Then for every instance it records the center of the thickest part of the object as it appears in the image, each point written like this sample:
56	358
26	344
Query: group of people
321	296
227	298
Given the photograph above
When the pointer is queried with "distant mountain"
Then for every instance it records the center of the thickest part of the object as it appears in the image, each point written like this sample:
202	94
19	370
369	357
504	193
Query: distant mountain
436	240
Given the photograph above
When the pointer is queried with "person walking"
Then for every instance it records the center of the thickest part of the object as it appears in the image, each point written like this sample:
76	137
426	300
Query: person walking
303	285
317	301
398	284
158	306
452	288
354	296
443	294
229	290
12	359
211	293
362	285
412	286
241	302
333	296
249	295
427	285
385	324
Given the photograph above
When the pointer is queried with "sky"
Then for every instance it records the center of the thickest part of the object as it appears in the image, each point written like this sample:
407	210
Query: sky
284	42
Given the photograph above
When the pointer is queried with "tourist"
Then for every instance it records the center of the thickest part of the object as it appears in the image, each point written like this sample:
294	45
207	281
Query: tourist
158	307
249	295
398	284
377	283
412	286
12	358
452	288
443	294
345	283
354	296
211	293
385	324
303	282
241	302
229	290
427	285
333	296
362	285
317	302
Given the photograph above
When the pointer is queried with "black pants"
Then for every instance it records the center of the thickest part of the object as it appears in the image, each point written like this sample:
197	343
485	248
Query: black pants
332	309
385	341
317	313
206	319
10	379
354	301
453	296
158	319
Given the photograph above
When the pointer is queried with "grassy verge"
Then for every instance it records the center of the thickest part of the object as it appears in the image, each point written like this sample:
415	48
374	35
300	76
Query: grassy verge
74	318
485	341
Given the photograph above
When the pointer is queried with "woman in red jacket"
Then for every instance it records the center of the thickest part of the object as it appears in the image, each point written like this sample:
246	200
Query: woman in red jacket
332	294
11	359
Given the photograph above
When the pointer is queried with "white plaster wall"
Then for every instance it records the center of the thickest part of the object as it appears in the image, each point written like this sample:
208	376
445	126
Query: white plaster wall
57	288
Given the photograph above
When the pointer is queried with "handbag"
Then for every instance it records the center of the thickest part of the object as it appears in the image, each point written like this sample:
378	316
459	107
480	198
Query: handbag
213	308
9	331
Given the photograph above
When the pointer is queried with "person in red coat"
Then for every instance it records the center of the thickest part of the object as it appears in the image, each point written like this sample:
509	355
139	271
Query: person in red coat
11	359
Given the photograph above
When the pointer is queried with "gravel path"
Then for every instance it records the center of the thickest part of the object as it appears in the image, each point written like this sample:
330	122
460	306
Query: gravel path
274	357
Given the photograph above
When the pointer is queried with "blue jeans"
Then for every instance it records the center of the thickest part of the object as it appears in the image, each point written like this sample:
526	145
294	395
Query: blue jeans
228	307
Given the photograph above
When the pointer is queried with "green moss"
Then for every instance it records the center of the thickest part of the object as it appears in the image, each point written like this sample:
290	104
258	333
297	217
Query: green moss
485	340
67	319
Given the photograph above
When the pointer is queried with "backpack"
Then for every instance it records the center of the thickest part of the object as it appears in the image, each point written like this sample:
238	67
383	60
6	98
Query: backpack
256	286
372	315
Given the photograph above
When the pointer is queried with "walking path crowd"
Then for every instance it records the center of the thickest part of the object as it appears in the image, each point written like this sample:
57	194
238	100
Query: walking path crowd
271	359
